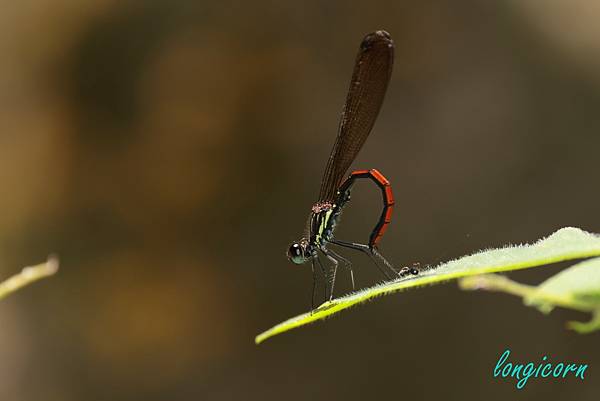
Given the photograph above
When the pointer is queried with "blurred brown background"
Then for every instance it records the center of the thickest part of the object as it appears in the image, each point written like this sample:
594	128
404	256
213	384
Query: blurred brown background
169	151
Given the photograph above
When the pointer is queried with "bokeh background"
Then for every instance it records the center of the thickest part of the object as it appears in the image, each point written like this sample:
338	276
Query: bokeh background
169	151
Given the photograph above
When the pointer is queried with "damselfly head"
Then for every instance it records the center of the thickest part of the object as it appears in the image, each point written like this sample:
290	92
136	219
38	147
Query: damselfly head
298	252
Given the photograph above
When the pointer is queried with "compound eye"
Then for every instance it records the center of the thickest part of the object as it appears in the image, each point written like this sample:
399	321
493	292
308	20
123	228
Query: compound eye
296	254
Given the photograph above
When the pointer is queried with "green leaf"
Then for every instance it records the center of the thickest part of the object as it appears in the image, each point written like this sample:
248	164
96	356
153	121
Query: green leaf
28	275
577	287
565	244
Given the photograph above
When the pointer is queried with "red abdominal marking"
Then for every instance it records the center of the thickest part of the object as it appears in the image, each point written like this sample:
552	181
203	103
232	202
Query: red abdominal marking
388	200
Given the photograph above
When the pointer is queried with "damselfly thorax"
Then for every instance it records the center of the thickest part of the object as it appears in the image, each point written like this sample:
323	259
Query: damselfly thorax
322	222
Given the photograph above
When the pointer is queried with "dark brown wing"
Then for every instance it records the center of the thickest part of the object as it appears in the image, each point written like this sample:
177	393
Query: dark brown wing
370	78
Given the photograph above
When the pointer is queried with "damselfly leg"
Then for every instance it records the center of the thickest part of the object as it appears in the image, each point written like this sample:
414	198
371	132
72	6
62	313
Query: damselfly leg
347	265
386	269
316	260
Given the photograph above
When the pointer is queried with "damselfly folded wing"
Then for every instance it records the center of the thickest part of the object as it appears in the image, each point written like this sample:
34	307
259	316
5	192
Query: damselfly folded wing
372	72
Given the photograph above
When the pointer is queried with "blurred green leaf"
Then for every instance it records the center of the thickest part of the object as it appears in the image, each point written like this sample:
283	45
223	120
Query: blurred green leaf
579	284
28	275
577	287
565	244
